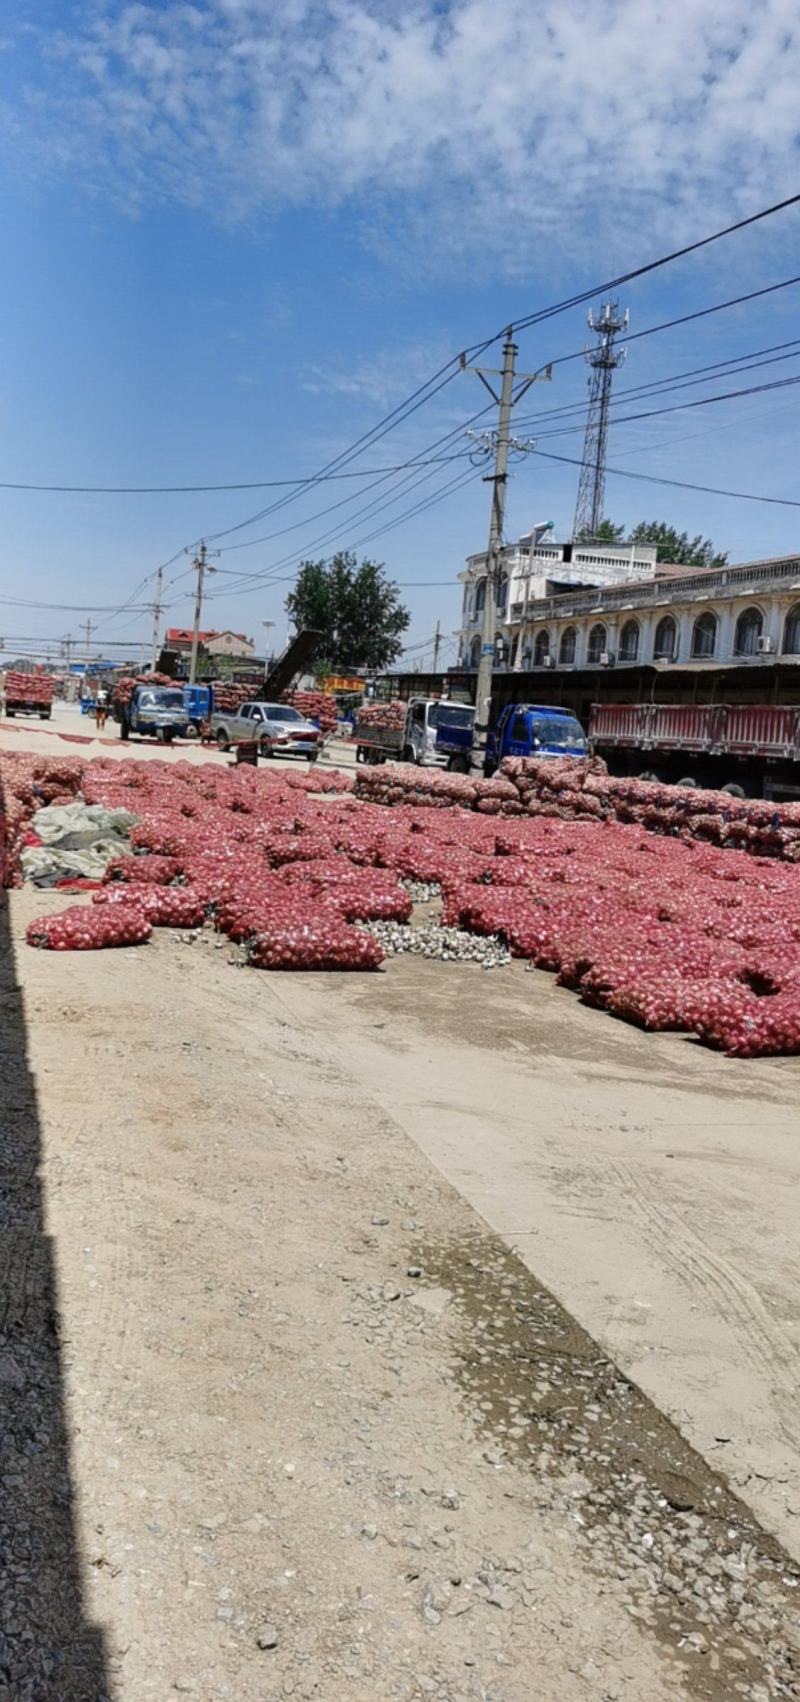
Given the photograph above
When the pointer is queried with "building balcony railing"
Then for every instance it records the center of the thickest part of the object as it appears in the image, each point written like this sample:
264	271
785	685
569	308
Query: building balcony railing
723	584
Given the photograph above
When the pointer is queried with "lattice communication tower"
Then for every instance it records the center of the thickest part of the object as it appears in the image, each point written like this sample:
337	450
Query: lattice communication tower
603	360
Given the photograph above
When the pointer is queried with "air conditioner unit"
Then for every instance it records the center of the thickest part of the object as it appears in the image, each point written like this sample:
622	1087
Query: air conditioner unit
765	646
607	659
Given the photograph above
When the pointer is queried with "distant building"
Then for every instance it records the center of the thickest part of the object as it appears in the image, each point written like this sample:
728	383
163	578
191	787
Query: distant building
179	640
532	570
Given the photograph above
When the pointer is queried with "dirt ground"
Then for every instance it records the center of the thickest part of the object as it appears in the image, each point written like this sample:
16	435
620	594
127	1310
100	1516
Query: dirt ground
342	1316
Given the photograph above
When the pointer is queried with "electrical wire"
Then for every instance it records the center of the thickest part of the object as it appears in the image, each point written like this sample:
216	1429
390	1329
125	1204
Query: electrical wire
679	484
643	271
678	381
445	373
680	407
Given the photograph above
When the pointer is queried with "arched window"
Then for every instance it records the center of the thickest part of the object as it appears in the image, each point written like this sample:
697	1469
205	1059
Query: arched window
475	653
566	649
541	648
502	594
791	632
749	628
480	596
597	643
665	644
704	635
629	642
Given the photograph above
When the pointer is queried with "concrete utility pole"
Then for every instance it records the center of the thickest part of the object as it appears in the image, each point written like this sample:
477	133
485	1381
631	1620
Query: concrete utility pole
86	626
157	614
202	566
501	442
437	644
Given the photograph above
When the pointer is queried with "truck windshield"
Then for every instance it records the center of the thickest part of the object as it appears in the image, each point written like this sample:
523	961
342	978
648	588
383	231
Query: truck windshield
450	715
561	730
161	699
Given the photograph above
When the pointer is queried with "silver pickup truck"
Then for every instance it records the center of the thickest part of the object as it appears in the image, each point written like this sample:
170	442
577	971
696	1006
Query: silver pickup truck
276	728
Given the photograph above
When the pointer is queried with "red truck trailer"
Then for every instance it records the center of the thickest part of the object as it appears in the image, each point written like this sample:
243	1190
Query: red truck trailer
749	749
29	694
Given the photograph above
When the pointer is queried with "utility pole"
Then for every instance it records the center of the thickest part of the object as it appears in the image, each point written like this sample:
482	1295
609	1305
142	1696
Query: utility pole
157	614
66	646
202	566
86	626
437	643
501	441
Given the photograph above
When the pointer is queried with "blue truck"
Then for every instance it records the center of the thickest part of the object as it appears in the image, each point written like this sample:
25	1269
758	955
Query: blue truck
522	729
198	702
153	710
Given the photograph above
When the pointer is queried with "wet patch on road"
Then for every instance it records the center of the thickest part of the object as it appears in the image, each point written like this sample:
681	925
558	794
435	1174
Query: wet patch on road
696	1569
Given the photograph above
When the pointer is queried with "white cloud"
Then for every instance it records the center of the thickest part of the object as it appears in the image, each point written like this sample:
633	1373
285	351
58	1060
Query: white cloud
383	376
491	128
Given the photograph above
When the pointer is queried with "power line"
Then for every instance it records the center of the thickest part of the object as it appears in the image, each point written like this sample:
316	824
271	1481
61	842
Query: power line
682	380
679	484
680	407
445	373
651	266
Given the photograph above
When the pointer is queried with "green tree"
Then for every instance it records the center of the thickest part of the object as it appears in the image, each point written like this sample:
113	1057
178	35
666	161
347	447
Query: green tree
354	607
607	533
677	546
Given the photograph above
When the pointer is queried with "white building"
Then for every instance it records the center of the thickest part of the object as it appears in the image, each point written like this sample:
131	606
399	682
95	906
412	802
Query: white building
533	570
746	615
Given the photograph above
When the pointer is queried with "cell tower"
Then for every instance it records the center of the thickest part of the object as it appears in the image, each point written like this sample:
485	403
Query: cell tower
603	359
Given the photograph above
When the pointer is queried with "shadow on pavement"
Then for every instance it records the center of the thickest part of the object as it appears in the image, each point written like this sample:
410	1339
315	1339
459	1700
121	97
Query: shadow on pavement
49	1652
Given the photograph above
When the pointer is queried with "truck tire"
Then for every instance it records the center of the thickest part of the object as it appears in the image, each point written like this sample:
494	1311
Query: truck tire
193	731
167	735
649	774
264	746
458	764
733	789
10	713
223	742
688	780
408	754
124	730
44	715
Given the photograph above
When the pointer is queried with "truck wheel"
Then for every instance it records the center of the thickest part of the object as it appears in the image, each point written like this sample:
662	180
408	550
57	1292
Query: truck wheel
167	735
193	731
733	789
688	780
223	742
649	774
458	764
44	715
408	754
124	730
10	714
264	746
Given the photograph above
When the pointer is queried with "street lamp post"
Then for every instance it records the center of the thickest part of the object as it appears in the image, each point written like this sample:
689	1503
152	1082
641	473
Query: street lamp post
267	625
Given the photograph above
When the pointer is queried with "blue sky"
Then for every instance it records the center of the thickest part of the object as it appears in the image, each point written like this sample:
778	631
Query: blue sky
235	236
